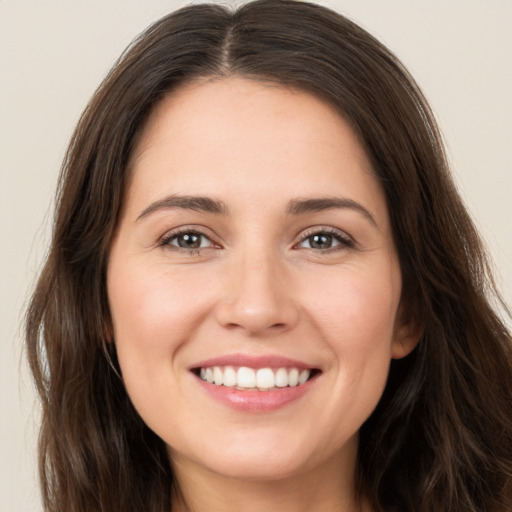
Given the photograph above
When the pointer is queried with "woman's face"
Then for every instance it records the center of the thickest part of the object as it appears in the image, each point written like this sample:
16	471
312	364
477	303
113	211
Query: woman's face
253	282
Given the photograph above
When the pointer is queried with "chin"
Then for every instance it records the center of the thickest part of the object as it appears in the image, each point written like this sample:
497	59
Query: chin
255	461
257	469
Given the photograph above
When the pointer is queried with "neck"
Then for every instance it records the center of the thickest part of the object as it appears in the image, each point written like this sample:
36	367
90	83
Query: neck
324	489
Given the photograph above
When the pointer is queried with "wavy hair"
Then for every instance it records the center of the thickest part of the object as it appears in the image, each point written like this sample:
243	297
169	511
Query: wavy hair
441	436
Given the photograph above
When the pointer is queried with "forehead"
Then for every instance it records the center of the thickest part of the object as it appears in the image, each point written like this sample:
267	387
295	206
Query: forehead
233	133
262	108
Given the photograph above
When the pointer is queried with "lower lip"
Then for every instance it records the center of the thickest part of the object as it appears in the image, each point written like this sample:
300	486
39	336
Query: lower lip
256	401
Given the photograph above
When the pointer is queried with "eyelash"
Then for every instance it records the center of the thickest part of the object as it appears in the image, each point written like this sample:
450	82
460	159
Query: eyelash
342	239
167	240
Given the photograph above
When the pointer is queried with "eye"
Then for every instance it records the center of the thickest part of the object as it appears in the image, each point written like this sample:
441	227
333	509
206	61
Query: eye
187	240
324	240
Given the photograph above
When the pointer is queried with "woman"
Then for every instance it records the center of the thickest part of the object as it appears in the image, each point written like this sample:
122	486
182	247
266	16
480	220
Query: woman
263	291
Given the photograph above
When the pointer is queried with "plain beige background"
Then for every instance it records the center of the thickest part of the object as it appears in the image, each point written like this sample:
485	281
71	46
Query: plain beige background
54	53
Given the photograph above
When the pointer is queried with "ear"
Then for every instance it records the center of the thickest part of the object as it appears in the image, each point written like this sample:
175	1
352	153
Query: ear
408	332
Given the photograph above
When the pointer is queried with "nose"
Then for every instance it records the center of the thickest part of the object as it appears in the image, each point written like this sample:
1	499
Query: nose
258	297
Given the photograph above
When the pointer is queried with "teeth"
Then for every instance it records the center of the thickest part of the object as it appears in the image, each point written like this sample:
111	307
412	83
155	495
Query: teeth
246	378
217	376
229	378
303	376
293	377
265	378
281	378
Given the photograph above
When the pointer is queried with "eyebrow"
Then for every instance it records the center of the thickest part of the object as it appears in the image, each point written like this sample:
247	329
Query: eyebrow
302	206
196	203
295	206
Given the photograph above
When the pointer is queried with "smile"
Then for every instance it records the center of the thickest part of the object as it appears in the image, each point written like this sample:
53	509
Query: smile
255	383
245	378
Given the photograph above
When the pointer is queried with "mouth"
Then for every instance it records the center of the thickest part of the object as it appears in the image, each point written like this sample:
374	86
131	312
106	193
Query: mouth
245	378
249	383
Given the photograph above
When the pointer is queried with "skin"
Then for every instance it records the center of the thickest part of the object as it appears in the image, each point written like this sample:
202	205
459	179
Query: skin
258	286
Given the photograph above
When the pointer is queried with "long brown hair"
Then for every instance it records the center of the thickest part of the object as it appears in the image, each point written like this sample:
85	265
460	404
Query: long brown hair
441	436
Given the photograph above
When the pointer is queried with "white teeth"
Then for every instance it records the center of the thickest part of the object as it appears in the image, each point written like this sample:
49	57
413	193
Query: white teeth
229	378
281	378
293	377
304	376
265	378
217	375
246	378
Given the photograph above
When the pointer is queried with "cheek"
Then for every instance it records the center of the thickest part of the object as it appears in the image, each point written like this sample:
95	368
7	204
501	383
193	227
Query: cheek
356	308
154	314
152	307
356	317
361	338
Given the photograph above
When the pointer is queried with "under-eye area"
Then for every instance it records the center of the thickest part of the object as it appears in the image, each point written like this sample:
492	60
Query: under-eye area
256	379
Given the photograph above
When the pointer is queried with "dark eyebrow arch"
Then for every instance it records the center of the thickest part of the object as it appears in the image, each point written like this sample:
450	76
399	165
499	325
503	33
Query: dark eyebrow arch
301	206
197	203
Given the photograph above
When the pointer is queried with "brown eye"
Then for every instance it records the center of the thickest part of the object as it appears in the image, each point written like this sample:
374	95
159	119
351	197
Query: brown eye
323	241
189	240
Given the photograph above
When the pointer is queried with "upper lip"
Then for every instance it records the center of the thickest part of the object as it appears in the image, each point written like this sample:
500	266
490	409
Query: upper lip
252	361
